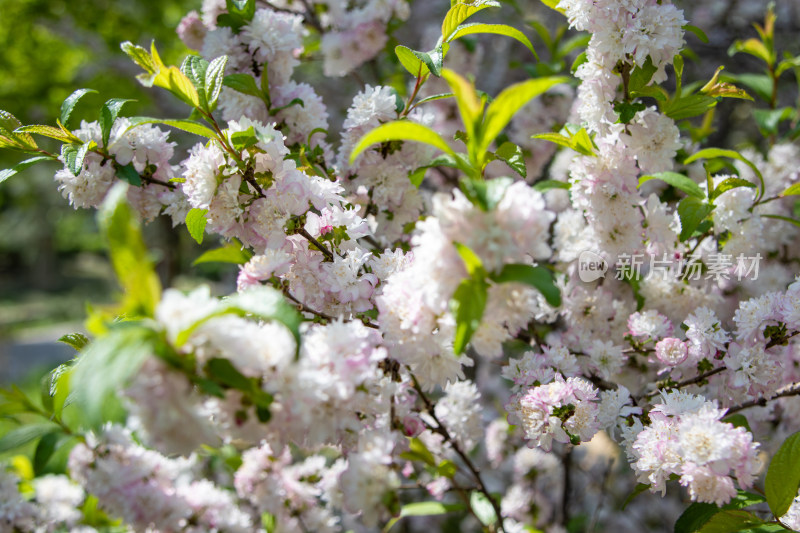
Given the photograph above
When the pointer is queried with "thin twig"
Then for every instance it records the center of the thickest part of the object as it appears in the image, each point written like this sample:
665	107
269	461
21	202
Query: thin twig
441	429
321	247
788	390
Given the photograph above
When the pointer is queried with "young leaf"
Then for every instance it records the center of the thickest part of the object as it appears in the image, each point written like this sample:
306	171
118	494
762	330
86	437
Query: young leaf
132	264
416	63
469	105
497	29
679	181
48	131
537	277
712	153
189	126
792	190
401	130
109	114
700	34
196	223
460	12
783	476
19	167
70	103
691	211
231	253
508	102
688	106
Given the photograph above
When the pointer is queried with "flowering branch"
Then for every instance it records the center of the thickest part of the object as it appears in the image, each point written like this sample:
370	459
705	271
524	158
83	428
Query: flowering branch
789	390
442	430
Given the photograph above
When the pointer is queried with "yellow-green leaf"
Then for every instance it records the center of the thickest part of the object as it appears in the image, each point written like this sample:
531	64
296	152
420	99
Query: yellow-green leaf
460	12
400	130
497	29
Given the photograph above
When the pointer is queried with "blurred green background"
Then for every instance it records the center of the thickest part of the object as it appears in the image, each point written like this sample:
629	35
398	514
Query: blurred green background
51	257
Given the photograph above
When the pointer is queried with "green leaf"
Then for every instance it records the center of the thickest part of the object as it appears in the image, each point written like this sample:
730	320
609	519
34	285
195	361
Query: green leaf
639	489
700	34
754	47
691	211
262	303
194	67
469	105
74	156
783	476
223	371
512	155
231	253
713	153
434	97
679	181
416	63
9	124
189	126
196	223
132	263
423	509
695	516
496	29
508	102
467	306
546	185
44	451
760	84
482	508
107	364
77	340
129	174
471	260
400	130
214	79
244	139
16	438
19	167
245	9
47	131
730	183
485	194
579	141
641	75
729	521
792	190
688	106
109	114
743	498
769	120
460	12
141	57
627	110
70	103
738	420
243	83
537	277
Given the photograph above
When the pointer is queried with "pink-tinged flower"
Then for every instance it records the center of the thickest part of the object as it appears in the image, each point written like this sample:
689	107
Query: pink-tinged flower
671	351
412	425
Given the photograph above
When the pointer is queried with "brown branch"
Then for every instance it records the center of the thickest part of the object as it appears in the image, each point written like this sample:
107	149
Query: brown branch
789	390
